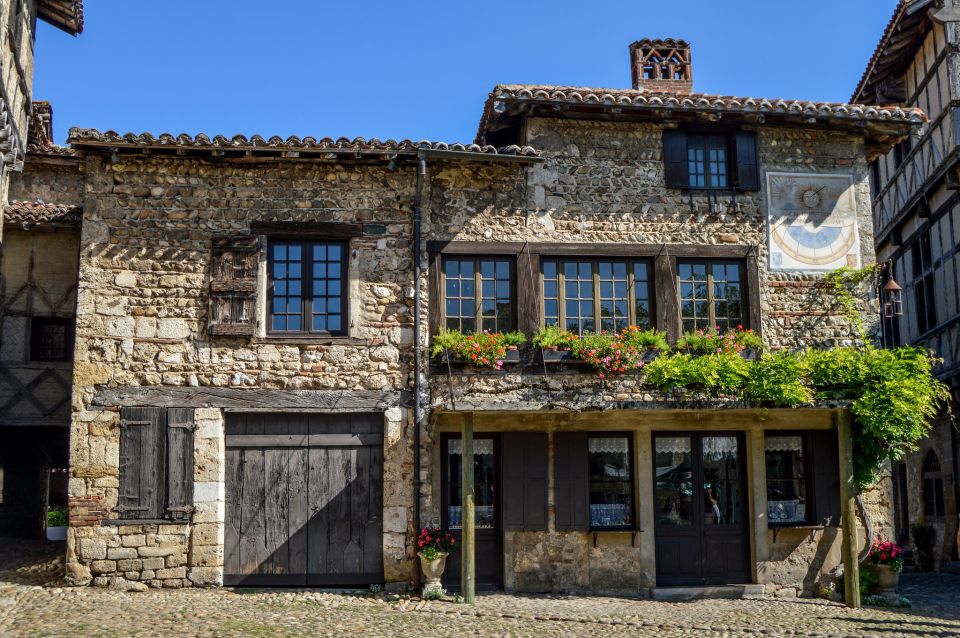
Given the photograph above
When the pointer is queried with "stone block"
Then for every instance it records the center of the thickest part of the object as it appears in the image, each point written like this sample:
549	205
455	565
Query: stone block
208	491
175	572
161	551
118	553
93	548
151	564
130	564
145	327
206	556
206	576
120	327
103	566
133	540
395	519
125	279
207	534
172	329
210	512
175	560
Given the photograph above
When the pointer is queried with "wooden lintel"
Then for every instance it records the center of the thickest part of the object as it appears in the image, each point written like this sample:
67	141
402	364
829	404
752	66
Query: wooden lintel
251	399
619	249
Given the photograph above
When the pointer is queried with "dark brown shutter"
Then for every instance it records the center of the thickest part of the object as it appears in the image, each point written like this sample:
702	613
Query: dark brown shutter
142	463
825	458
180	428
571	488
748	164
233	285
524	462
675	159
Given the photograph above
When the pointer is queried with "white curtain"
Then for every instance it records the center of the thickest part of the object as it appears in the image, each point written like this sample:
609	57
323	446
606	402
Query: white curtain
720	447
783	444
481	447
673	444
615	445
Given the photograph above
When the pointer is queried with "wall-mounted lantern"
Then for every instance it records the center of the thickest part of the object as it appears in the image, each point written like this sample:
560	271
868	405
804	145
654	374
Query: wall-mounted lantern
892	299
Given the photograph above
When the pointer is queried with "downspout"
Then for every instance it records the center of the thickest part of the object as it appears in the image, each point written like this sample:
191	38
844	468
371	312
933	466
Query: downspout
417	325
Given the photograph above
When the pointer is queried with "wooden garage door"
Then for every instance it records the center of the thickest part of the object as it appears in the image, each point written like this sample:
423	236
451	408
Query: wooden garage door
304	500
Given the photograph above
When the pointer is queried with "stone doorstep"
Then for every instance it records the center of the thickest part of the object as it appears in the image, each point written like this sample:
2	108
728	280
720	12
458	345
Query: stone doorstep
677	594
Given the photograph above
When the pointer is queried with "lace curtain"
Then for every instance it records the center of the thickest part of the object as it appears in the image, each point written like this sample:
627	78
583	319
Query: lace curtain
783	444
481	447
615	445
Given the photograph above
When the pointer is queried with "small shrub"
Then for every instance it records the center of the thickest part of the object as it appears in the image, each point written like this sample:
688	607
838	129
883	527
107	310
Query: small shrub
514	339
553	337
445	341
868	581
778	380
650	339
376	588
57	517
435	594
711	341
717	374
608	354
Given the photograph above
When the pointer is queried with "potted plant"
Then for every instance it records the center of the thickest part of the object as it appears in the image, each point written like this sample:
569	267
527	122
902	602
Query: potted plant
433	547
57	524
651	340
553	338
887	560
445	344
513	340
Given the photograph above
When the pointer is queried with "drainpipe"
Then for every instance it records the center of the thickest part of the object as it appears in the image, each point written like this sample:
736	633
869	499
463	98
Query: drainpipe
417	321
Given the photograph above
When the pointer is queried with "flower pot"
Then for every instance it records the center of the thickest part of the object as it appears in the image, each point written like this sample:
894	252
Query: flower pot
511	348
58	533
432	571
887	579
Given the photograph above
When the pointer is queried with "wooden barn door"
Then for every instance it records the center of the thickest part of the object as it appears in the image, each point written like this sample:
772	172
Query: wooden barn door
304	500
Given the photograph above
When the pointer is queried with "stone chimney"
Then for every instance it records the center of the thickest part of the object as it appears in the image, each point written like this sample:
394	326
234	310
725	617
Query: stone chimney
661	66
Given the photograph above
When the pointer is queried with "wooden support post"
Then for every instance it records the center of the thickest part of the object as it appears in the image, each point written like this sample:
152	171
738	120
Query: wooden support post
848	492
467	553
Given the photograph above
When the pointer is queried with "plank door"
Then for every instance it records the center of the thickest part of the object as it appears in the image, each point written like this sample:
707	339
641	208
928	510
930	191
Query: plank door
304	500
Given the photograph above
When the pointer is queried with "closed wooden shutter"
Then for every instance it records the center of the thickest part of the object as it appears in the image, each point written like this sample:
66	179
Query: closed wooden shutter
233	286
748	164
572	480
524	481
825	457
180	428
142	463
675	163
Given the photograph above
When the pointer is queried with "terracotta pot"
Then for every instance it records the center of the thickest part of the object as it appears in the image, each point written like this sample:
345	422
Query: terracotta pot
887	579
432	571
511	347
551	348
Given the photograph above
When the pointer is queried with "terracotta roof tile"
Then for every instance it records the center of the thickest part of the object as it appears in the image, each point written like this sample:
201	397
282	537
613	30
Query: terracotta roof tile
40	132
80	137
29	214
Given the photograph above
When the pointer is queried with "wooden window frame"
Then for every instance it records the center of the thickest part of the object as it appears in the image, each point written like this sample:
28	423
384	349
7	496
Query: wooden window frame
809	484
632	481
934	481
595	262
711	301
922	284
306	286
529	293
478	292
69	338
710	141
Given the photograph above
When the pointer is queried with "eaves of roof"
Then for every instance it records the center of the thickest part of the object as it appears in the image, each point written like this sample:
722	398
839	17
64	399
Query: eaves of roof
30	214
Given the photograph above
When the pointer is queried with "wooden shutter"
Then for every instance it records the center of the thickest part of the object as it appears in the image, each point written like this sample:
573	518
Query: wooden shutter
233	285
142	463
572	498
180	428
825	459
524	463
748	164
675	163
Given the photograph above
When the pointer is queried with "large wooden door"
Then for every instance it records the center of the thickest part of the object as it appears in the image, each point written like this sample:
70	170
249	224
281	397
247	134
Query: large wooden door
702	532
304	500
489	534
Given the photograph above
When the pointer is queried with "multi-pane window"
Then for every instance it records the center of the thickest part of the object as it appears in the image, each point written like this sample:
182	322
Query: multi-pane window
707	161
51	339
932	486
478	294
307	287
711	295
611	482
586	296
786	479
923	284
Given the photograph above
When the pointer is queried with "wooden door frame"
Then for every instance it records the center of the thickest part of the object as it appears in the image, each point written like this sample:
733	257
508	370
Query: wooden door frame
445	437
696	505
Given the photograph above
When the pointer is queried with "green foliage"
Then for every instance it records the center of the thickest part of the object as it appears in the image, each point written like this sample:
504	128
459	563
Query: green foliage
553	337
651	339
717	374
445	341
57	517
711	341
841	283
515	338
894	394
778	380
868	582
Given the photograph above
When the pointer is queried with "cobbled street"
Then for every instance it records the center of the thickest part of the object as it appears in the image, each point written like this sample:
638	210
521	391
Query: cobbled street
34	602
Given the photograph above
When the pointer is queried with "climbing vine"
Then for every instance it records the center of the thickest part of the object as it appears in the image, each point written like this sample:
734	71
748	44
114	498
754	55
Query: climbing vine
841	284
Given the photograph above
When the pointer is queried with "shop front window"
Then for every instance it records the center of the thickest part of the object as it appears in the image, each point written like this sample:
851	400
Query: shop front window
786	480
611	482
484	474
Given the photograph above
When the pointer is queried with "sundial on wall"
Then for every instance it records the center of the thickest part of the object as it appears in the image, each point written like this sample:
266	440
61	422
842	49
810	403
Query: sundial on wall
812	221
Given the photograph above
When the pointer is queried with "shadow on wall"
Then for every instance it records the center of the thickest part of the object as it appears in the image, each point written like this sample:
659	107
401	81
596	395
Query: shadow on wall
798	557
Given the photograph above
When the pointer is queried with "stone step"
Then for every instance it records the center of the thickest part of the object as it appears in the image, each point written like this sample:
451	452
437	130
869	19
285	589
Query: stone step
675	594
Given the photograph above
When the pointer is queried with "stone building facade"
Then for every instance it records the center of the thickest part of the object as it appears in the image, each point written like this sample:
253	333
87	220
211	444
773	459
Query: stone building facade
247	405
917	222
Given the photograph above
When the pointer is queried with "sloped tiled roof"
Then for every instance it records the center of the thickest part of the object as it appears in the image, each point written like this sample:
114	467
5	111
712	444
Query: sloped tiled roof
702	102
29	214
894	52
80	137
66	15
40	132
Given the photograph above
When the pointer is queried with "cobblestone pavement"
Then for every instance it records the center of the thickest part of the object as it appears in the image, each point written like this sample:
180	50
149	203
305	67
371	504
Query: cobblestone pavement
33	602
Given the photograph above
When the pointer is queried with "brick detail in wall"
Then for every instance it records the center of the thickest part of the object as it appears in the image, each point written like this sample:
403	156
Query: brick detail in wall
86	511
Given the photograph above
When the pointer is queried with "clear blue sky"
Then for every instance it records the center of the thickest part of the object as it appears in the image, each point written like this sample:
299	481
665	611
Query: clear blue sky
419	69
